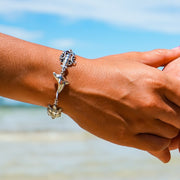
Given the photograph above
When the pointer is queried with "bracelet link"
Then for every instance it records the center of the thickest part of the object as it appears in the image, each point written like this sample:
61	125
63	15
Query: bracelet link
67	59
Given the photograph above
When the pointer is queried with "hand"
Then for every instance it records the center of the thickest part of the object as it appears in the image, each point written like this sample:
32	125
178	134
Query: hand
173	69
121	99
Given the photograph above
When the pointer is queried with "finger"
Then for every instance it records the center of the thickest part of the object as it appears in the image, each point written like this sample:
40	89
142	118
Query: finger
172	69
175	142
169	113
150	142
155	126
163	156
161	129
154	58
172	80
172	90
165	130
160	57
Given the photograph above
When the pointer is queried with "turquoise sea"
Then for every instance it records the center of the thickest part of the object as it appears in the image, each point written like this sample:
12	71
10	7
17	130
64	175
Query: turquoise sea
34	147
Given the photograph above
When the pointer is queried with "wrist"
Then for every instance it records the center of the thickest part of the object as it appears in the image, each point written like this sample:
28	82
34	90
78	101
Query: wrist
60	94
41	84
75	77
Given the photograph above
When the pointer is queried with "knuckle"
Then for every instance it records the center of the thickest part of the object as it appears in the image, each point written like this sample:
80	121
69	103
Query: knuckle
173	115
156	80
157	148
161	145
156	52
159	81
173	132
159	52
170	111
150	103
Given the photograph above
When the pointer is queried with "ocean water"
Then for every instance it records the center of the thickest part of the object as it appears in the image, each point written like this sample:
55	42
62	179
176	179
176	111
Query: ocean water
34	147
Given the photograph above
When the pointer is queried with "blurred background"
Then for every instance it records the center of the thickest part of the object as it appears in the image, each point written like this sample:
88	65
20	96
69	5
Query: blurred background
32	146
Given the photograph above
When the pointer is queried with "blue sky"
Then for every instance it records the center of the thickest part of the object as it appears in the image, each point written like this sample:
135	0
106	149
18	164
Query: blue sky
94	28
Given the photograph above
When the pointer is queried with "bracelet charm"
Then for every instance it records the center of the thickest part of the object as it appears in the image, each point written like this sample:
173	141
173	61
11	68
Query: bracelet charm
67	59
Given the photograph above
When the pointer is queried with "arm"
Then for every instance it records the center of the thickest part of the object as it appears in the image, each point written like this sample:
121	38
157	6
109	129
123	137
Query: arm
118	98
26	71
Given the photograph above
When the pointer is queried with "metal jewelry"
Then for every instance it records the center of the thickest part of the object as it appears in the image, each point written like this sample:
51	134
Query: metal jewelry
67	59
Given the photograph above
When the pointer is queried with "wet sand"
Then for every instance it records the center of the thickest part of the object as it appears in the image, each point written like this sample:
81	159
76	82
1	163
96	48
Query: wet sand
34	147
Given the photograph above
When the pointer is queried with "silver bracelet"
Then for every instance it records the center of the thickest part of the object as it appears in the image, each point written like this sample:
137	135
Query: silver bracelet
67	59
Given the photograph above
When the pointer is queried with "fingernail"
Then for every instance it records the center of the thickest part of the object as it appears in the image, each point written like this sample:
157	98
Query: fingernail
176	48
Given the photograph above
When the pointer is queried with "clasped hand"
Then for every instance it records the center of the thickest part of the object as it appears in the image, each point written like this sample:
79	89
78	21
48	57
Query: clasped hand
126	100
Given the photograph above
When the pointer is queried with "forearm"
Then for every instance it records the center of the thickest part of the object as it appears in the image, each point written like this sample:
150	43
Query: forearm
26	71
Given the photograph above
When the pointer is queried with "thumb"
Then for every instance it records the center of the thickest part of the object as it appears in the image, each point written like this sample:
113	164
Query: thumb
160	57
